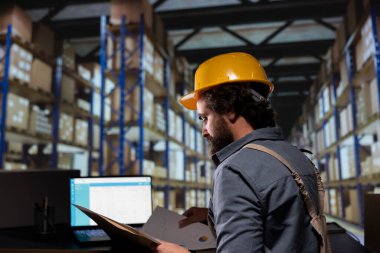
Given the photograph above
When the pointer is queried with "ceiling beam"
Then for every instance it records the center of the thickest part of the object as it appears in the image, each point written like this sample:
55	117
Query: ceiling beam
252	13
40	4
275	33
292	70
158	3
325	24
304	48
236	35
52	12
187	37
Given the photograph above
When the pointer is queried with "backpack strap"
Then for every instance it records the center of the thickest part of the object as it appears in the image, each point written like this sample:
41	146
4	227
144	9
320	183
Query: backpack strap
309	204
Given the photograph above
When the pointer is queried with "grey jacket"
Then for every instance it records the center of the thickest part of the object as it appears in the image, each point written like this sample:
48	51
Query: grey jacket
256	205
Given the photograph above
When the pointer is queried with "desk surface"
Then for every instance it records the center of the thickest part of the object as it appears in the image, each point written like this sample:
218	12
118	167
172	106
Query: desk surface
26	240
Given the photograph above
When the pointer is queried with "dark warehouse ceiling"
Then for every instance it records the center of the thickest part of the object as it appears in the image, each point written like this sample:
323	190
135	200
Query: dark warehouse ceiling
289	37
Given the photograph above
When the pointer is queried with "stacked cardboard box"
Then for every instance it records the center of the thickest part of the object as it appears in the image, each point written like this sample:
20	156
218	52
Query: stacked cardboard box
68	56
65	161
39	121
84	72
132	54
335	202
68	89
20	63
17	112
366	45
41	76
15	147
132	10
191	199
20	21
132	107
96	136
344	79
346	120
352	212
84	104
81	132
176	164
159	117
14	166
43	39
158	199
66	127
97	107
333	168
158	71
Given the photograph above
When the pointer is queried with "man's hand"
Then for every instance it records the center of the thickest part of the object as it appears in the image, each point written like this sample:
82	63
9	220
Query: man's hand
194	214
167	247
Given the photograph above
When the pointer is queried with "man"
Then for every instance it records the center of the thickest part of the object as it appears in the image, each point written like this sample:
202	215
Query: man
256	205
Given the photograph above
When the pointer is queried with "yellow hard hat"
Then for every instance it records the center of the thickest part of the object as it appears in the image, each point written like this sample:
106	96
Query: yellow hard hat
225	68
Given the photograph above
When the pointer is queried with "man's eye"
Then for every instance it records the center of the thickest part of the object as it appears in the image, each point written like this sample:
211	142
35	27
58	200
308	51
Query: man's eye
203	118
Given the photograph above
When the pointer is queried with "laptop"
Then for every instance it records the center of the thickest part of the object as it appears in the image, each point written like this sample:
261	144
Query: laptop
126	199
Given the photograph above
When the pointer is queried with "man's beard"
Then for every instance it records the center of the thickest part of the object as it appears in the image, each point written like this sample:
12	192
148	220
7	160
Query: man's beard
222	137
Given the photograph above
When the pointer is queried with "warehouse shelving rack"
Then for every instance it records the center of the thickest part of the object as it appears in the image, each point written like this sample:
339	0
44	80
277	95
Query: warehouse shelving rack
36	96
162	94
119	35
360	183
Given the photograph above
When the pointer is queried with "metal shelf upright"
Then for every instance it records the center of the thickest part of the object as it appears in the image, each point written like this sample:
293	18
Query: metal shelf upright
167	145
4	94
337	152
56	111
184	150
121	76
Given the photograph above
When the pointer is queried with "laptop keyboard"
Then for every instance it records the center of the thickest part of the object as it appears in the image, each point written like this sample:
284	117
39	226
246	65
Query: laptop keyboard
92	235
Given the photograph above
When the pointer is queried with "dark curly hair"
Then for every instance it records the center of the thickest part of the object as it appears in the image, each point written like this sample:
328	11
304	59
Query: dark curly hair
239	99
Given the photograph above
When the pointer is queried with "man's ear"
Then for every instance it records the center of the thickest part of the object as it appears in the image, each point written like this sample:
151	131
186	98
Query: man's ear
232	117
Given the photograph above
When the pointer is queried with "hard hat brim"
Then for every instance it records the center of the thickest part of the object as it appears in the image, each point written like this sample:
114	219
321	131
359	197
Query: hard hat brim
189	101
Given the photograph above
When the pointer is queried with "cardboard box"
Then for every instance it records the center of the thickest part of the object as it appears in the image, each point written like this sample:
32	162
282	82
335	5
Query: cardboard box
158	68
43	39
132	10
15	147
132	54
17	112
39	122
96	136
20	21
20	63
41	76
68	56
81	132
65	161
14	166
84	72
113	157
67	89
66	127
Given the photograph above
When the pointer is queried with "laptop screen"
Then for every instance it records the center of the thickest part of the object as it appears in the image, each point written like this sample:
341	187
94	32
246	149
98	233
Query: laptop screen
127	200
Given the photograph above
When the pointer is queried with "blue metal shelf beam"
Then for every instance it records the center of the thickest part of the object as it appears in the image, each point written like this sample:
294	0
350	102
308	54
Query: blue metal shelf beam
4	93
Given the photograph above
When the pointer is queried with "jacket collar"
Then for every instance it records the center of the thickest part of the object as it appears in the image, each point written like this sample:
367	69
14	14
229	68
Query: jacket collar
270	133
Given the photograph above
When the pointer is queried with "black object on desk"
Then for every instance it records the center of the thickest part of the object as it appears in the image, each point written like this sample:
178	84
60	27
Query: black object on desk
63	240
342	242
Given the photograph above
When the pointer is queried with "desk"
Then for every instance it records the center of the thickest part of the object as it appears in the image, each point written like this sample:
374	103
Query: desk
25	240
